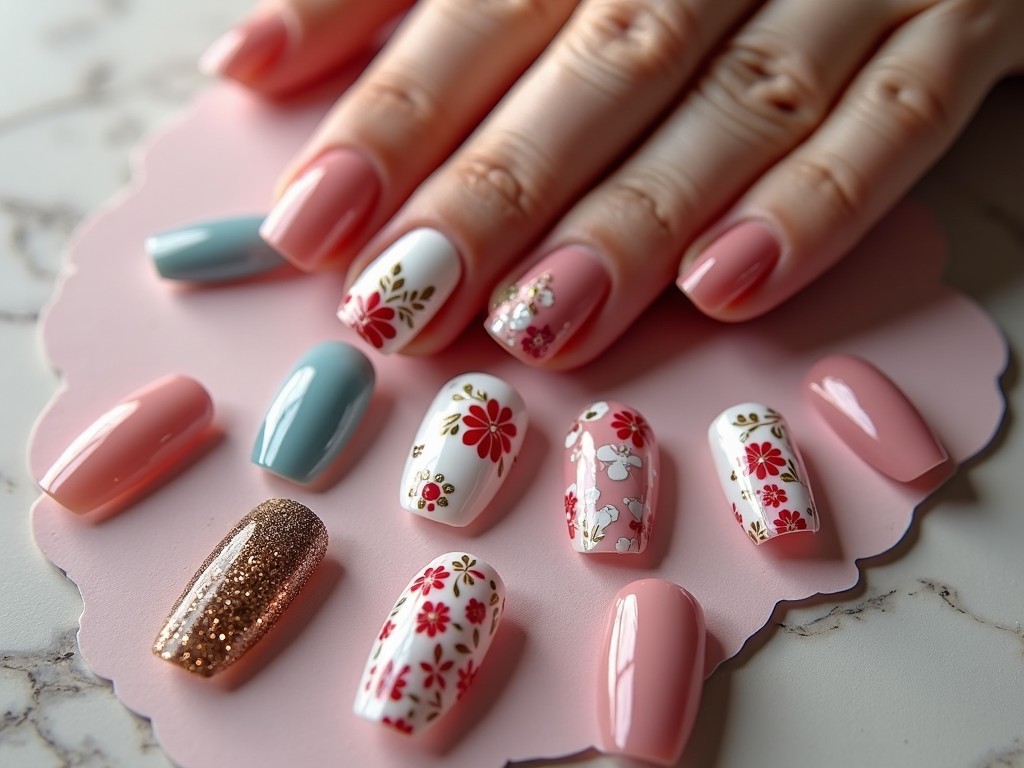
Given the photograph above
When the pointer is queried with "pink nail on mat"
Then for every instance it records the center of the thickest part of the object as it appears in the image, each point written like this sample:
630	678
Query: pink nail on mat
248	50
733	264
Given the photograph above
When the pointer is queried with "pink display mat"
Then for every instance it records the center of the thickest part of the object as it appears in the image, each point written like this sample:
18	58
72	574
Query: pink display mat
115	325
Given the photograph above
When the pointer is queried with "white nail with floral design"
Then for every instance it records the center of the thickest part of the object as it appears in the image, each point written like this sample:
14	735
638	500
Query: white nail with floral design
464	449
398	293
761	472
432	643
611	473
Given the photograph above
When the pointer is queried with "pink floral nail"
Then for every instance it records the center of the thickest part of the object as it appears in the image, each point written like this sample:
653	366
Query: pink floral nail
611	471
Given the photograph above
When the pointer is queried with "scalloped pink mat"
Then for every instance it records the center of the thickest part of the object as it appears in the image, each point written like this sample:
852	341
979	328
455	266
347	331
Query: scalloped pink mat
114	326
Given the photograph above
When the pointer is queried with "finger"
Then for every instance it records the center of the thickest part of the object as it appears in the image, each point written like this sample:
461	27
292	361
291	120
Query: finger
287	44
610	72
902	111
445	68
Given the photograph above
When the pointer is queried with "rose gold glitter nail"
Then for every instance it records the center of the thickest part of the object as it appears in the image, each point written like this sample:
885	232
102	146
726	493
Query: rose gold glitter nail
243	587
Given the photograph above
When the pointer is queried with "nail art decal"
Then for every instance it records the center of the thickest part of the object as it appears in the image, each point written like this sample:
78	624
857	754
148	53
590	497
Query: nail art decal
244	586
611	472
761	472
430	648
402	289
464	449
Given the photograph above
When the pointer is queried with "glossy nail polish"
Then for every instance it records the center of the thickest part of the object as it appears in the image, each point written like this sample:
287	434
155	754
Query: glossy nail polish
536	316
432	644
323	208
249	50
761	472
213	251
733	264
874	417
315	412
244	586
611	474
649	686
464	449
130	446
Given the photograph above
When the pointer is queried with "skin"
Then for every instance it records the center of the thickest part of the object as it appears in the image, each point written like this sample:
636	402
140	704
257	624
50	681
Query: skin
813	118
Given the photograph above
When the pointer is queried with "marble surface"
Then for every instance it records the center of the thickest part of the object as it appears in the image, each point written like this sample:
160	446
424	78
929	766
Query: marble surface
921	665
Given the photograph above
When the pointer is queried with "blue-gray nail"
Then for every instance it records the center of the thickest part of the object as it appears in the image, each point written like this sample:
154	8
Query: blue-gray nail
315	411
213	251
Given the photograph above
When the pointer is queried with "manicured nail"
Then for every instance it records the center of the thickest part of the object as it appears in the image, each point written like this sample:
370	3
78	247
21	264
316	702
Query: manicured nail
874	417
315	411
213	251
761	472
323	208
248	50
402	289
534	318
130	446
464	449
432	644
611	469
244	586
649	687
733	264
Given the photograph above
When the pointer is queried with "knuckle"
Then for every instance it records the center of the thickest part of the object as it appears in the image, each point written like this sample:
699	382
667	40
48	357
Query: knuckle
651	201
905	101
399	104
831	179
506	180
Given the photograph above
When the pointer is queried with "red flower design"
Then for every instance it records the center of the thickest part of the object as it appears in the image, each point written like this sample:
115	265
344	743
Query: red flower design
537	341
764	460
789	521
737	515
476	611
491	431
385	631
369	319
399	724
629	425
466	677
642	530
435	672
392	685
432	578
433	619
773	496
570	512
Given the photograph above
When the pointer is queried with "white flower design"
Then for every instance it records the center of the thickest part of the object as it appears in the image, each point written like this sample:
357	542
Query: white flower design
590	497
618	460
606	515
594	411
635	507
520	317
624	544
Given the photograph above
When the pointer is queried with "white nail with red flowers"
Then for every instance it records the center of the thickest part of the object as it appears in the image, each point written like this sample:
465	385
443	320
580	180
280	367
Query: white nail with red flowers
432	643
464	449
761	472
611	476
398	293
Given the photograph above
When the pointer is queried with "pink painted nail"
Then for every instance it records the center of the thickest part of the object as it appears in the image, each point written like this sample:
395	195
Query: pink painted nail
130	446
536	317
873	416
248	50
611	470
733	264
649	689
323	208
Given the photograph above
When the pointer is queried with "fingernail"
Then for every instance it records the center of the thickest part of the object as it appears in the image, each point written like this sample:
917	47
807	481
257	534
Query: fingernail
213	251
130	446
244	586
432	643
323	208
733	264
650	687
611	469
315	412
248	50
874	417
536	317
397	294
464	449
761	472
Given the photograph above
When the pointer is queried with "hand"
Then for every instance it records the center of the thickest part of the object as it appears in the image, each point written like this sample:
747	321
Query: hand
605	148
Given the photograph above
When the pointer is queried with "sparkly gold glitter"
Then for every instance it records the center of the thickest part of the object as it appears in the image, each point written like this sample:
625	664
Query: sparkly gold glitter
243	587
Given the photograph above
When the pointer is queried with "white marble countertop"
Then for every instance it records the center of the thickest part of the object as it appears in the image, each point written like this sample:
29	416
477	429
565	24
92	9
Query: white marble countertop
921	665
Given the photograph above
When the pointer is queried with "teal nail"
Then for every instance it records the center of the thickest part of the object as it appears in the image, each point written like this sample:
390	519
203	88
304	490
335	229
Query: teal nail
213	251
314	412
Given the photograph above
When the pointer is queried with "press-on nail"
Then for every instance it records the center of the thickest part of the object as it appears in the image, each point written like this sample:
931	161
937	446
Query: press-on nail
315	411
874	417
130	446
464	449
244	586
733	264
432	643
213	251
649	687
248	50
761	472
611	473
